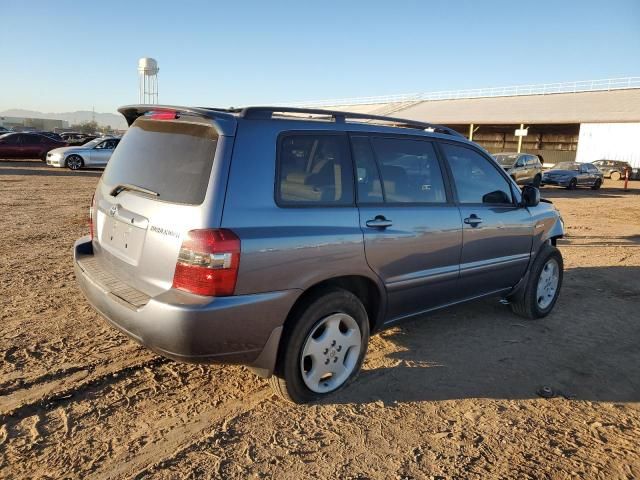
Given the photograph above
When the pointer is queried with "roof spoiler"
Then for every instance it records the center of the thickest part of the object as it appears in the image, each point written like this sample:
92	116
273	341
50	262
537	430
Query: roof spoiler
223	120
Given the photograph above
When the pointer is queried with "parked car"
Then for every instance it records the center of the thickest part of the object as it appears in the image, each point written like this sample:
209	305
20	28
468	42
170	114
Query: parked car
572	175
524	168
53	135
76	138
282	242
613	169
95	153
27	145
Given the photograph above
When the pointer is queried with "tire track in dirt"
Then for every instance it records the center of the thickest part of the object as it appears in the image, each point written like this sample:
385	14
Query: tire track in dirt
210	429
26	402
23	384
205	427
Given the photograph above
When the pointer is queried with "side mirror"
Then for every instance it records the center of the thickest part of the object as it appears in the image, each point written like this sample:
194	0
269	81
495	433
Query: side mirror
530	196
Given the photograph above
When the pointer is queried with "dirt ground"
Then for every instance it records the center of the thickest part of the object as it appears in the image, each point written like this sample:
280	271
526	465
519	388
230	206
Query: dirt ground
450	395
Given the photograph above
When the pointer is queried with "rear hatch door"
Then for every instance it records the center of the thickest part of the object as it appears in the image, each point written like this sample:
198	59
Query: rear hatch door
160	182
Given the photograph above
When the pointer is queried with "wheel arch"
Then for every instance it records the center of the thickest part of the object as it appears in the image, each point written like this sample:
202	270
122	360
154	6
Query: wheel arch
366	289
371	294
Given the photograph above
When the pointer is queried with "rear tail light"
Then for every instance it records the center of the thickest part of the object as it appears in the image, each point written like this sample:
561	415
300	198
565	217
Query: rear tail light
208	263
91	211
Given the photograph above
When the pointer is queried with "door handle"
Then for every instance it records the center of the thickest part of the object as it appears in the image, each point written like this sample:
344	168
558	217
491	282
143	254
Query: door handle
379	222
473	220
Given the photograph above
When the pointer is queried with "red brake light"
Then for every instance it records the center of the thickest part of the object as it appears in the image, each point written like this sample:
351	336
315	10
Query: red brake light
208	263
172	115
91	210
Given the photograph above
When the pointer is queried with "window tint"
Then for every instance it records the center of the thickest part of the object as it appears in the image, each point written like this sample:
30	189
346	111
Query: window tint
173	158
477	180
410	171
369	189
315	169
107	145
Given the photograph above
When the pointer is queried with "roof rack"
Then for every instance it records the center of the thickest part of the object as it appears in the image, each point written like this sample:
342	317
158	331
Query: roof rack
341	117
225	117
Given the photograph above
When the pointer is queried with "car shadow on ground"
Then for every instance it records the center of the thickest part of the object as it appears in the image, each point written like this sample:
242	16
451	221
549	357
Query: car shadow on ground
587	349
586	192
599	240
30	167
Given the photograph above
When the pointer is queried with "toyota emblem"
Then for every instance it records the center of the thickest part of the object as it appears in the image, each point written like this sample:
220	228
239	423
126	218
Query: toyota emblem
113	210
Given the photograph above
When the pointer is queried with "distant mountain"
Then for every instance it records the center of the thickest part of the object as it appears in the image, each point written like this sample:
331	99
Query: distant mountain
115	120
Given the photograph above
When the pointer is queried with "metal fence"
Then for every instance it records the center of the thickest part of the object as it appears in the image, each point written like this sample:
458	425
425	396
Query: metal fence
517	90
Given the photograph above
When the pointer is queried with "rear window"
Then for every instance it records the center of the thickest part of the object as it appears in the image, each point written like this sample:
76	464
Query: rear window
172	158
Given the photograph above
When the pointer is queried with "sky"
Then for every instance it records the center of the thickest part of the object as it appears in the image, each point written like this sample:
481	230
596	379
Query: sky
68	55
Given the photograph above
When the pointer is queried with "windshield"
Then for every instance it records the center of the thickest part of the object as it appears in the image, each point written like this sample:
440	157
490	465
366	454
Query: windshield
172	158
567	166
506	159
92	143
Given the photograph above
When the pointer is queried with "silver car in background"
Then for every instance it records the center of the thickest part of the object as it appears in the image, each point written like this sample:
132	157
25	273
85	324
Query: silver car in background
95	153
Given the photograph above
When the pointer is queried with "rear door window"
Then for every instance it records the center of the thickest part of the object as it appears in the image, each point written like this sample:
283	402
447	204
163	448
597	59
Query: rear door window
172	158
314	169
410	171
11	140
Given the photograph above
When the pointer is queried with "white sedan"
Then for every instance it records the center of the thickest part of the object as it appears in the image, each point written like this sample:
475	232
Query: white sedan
95	153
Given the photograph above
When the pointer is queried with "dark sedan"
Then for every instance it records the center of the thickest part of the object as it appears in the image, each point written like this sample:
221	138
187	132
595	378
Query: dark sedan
572	175
27	145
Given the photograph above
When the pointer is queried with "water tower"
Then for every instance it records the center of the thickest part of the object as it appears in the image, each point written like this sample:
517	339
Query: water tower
148	80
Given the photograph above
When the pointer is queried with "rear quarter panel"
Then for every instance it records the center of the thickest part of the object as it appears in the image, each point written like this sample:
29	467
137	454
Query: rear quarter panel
285	248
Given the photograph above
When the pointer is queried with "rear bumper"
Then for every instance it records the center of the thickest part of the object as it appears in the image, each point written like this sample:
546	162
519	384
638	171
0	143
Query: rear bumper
238	329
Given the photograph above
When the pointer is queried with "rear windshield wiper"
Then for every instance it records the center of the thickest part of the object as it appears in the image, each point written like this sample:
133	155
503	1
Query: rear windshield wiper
134	188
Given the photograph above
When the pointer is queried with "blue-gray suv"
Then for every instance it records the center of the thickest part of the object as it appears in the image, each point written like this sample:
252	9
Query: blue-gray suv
282	238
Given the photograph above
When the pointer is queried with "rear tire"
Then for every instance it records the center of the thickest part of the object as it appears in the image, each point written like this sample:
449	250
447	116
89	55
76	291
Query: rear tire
573	183
74	162
543	285
322	348
616	176
597	184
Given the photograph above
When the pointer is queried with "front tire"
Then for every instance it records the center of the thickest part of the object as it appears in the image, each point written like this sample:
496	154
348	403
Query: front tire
616	176
543	285
596	185
322	348
74	162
